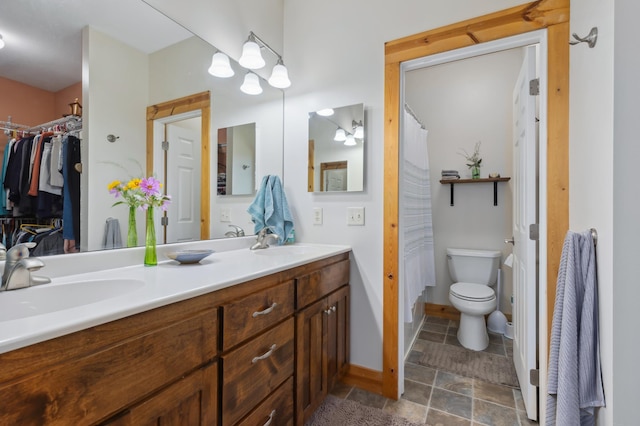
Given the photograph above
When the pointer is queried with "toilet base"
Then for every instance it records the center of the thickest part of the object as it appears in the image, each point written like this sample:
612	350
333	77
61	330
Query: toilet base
472	332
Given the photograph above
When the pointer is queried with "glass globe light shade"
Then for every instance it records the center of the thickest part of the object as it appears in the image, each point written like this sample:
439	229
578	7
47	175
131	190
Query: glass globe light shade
340	135
280	76
359	132
220	66
251	85
350	140
251	57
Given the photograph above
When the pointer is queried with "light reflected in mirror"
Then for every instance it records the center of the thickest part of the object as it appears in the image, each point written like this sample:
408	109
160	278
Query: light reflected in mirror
336	149
237	160
117	78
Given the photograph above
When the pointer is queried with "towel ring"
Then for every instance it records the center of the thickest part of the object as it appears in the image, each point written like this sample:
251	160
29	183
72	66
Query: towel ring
594	236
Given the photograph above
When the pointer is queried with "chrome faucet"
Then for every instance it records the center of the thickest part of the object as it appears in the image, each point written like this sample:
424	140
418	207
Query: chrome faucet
262	240
238	232
18	266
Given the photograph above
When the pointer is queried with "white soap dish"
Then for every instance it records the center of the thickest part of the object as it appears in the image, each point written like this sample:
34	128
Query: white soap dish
189	256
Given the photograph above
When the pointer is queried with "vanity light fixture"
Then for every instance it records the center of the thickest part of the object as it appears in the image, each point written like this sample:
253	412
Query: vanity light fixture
1	42
251	85
350	140
340	136
252	59
220	66
326	112
358	129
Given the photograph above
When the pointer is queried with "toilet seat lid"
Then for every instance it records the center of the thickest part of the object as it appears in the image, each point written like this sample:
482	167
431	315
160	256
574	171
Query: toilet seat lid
472	292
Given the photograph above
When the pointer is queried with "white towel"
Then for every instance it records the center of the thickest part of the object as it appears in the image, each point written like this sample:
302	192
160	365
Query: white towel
575	378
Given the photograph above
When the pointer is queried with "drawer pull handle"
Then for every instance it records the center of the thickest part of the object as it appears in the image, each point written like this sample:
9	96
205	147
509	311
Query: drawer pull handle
266	311
273	413
330	309
265	355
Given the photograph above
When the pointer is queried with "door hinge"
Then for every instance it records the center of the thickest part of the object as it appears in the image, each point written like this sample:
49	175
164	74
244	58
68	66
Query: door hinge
534	377
534	232
534	87
164	221
165	145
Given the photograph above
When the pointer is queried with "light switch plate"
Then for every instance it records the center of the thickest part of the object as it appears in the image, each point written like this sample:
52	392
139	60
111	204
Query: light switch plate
317	215
225	215
355	216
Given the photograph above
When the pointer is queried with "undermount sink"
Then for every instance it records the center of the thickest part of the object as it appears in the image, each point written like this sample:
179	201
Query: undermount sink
287	250
47	298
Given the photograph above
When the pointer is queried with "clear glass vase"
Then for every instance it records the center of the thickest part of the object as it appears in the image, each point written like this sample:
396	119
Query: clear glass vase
150	256
475	172
132	233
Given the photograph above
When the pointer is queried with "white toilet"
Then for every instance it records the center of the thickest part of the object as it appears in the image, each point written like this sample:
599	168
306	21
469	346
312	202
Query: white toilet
472	272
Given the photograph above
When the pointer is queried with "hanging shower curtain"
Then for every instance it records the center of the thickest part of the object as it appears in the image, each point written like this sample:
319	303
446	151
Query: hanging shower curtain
416	221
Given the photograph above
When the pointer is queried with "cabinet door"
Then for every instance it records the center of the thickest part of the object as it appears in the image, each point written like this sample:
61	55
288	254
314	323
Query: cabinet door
192	401
337	335
311	365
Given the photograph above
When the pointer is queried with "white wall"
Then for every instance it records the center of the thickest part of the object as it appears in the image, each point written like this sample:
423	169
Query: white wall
346	67
591	163
461	103
117	109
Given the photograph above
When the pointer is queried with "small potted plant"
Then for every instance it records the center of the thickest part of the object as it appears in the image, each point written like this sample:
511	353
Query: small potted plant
473	161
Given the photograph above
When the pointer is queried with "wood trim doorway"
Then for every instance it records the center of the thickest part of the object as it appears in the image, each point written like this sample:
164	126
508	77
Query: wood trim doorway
199	101
550	14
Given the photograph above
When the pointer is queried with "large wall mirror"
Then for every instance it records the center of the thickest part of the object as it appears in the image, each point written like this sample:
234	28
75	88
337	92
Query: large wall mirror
120	58
336	149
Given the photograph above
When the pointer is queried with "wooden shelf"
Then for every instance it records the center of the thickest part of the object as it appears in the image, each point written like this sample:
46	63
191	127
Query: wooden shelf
495	181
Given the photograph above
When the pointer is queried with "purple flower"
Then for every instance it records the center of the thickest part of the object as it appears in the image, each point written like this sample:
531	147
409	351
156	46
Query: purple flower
150	186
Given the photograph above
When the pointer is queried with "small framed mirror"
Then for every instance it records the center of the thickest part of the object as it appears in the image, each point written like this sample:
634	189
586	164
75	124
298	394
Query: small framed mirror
237	160
336	149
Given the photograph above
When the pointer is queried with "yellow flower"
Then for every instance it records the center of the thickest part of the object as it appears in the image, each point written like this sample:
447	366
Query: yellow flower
133	183
113	185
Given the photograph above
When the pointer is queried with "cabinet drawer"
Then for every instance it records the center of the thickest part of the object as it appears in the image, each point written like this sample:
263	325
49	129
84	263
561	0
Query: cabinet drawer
255	369
276	410
249	315
97	385
317	284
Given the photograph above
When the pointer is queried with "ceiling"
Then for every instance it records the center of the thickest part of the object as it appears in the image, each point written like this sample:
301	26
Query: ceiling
47	35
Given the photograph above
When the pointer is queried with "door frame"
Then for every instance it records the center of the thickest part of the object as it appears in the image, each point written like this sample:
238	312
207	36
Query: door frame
199	101
552	15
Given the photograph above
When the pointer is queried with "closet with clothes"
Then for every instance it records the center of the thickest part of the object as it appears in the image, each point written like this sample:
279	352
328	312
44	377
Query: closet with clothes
41	183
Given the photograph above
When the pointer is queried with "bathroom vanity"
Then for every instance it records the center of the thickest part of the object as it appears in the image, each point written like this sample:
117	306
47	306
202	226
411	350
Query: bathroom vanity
263	350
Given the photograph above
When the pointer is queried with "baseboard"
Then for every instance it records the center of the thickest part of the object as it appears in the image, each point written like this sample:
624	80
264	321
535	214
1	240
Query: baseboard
364	378
441	311
447	312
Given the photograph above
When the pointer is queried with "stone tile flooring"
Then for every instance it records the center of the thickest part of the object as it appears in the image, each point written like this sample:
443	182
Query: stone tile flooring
437	397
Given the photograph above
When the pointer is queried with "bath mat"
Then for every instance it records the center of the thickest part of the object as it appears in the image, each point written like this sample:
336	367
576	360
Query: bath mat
336	411
486	366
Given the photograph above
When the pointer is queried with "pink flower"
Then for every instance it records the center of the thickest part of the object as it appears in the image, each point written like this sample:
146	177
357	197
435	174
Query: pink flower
150	186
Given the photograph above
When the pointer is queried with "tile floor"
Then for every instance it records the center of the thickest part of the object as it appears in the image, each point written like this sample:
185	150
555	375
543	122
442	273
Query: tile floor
437	397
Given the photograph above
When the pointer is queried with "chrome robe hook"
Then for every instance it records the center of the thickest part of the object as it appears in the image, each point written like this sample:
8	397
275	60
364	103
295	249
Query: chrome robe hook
591	38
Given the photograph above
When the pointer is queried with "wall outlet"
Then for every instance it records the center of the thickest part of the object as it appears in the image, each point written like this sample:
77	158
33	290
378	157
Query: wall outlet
317	215
225	215
355	216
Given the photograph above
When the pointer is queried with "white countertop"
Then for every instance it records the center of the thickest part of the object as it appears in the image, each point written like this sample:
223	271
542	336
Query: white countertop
166	283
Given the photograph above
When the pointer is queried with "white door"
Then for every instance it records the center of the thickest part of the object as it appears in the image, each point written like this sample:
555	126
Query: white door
524	249
183	180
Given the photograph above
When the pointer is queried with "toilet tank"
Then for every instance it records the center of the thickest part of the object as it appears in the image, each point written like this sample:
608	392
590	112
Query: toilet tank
473	266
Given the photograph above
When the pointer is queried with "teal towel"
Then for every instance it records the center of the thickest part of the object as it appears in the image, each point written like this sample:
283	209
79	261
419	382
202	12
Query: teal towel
270	209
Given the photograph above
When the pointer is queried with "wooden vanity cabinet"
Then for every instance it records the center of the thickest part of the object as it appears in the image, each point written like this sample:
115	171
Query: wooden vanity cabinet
322	337
249	354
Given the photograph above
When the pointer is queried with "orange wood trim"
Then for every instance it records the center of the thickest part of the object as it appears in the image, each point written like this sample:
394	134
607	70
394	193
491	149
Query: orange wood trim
441	311
447	312
364	378
557	157
390	232
550	14
311	166
199	101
